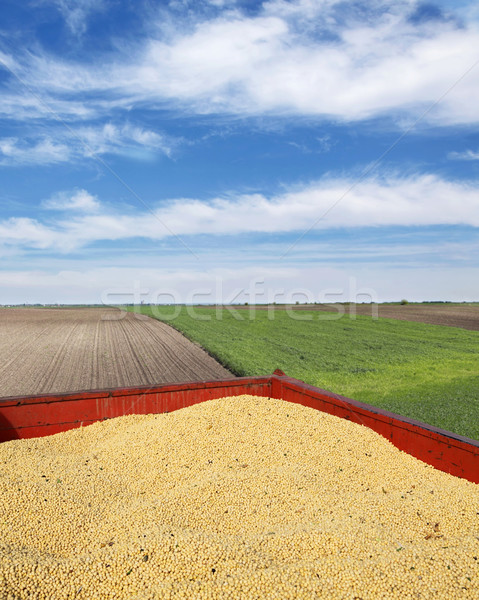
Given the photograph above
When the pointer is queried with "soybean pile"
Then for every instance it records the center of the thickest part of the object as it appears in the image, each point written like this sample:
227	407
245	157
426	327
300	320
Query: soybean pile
242	497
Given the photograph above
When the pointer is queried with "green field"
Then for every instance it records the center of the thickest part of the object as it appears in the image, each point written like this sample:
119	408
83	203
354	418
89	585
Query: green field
426	372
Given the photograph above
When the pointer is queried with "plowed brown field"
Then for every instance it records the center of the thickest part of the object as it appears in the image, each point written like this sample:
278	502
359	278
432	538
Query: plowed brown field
63	350
465	316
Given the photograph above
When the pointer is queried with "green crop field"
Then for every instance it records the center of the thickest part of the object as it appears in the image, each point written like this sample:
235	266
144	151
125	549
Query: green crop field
426	372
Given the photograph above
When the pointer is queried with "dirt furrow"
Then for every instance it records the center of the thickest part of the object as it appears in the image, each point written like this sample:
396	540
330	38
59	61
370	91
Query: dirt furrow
142	354
29	363
62	350
16	341
177	352
166	350
111	373
51	373
119	360
95	359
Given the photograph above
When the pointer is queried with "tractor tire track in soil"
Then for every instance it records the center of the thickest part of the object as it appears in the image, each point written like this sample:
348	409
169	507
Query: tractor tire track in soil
49	350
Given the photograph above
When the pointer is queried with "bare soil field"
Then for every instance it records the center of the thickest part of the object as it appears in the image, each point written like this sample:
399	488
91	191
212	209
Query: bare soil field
45	350
465	316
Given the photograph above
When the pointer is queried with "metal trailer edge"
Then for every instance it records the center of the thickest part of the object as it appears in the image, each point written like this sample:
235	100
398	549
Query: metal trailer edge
23	417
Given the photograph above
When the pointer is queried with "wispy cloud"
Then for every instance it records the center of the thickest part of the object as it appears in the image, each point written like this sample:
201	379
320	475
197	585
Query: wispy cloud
69	144
260	65
26	105
44	151
466	155
25	233
416	201
351	65
78	200
76	12
125	139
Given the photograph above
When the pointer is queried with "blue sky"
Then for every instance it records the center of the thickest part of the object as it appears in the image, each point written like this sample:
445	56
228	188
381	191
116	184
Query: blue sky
221	150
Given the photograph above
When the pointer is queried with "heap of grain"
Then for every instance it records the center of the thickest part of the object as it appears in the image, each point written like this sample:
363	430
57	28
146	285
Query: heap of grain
241	497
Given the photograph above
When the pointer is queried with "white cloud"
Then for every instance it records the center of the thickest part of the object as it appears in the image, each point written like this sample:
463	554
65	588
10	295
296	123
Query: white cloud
44	151
416	201
125	139
26	233
8	62
66	145
347	67
25	107
77	12
257	65
79	200
467	155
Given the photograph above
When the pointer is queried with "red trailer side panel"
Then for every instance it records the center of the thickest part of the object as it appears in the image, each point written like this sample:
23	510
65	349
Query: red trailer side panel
36	416
442	449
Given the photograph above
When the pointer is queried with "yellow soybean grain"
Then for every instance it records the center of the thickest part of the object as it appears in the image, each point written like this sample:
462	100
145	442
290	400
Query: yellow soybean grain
241	497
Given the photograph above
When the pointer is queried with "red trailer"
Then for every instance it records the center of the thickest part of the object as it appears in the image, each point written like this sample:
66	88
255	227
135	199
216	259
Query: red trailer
37	416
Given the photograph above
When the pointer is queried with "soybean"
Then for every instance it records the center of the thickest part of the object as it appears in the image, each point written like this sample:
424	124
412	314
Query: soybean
242	497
